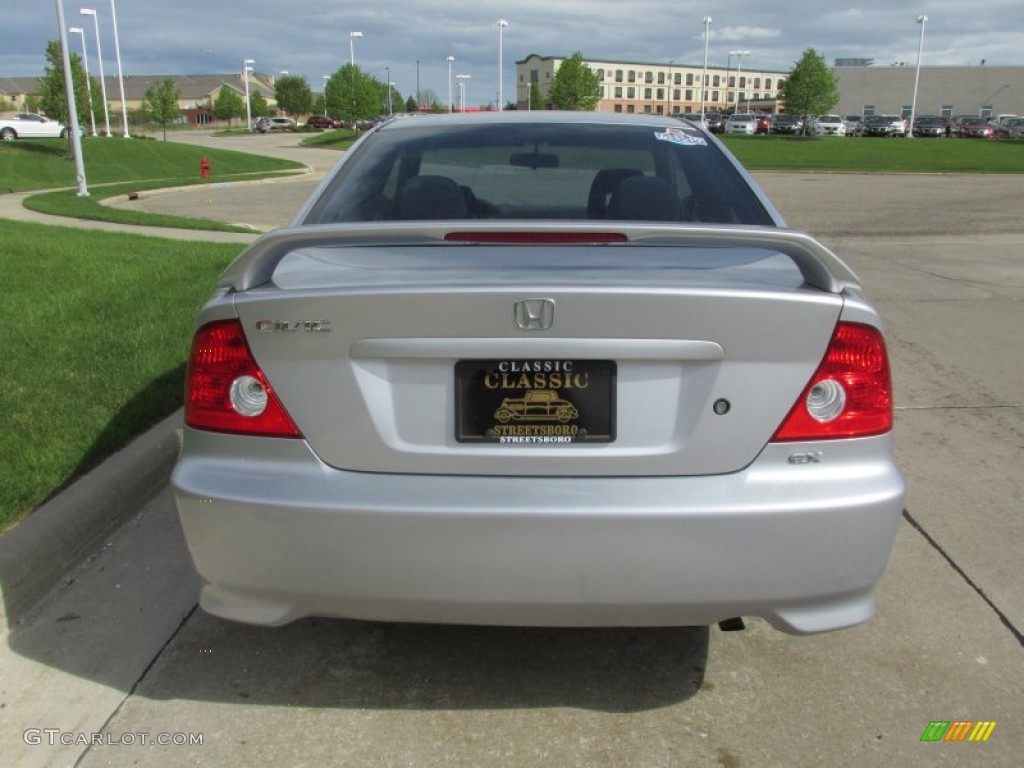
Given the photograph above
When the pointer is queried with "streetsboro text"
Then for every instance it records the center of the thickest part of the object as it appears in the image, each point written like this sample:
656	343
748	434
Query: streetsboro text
537	430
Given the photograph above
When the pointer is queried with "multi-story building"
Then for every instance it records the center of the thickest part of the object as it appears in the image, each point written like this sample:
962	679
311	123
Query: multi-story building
658	88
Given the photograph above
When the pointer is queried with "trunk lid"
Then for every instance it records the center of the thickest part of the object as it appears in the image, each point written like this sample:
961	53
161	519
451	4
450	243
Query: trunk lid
692	355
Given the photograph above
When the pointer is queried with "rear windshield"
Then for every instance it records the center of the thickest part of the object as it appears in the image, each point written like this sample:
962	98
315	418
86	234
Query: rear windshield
539	171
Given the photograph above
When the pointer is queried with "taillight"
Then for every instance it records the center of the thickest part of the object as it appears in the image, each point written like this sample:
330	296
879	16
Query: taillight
850	395
225	391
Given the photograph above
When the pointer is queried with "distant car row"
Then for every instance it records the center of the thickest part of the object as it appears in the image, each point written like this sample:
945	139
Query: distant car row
964	126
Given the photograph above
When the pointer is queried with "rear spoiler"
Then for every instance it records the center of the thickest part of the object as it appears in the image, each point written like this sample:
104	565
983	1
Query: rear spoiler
255	266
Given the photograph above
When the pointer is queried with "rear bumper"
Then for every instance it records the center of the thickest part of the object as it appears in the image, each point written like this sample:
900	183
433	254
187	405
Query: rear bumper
278	535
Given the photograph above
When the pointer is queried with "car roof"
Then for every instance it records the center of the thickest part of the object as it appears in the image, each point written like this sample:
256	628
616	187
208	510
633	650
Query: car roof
553	117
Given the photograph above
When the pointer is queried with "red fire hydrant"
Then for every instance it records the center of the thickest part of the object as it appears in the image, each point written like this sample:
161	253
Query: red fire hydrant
204	168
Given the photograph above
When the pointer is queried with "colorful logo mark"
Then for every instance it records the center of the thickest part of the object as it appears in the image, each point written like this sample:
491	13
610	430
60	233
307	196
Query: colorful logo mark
958	730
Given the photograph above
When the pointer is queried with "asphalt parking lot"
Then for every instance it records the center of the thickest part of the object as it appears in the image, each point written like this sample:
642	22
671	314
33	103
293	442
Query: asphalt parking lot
120	649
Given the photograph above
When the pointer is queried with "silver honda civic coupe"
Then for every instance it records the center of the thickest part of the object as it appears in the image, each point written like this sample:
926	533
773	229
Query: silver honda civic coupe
539	369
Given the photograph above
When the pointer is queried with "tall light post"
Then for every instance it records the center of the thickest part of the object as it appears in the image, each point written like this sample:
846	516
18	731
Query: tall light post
246	69
120	76
501	64
668	89
352	46
99	56
451	104
462	89
88	85
326	78
739	68
923	21
69	94
387	79
704	72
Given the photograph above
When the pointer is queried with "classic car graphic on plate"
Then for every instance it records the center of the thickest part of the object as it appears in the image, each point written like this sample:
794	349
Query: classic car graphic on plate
536	405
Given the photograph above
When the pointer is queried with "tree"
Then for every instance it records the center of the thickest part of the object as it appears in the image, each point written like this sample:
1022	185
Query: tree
228	104
811	88
575	86
351	95
294	95
397	103
52	95
160	103
536	99
428	98
258	104
33	103
319	105
411	105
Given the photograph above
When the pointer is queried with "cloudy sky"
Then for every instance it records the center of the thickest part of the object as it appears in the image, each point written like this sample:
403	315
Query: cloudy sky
311	37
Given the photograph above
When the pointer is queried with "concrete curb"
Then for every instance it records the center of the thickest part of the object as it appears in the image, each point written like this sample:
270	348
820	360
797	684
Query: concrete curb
67	529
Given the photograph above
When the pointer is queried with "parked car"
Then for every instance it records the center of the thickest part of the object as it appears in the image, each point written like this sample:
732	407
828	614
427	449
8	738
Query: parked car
323	122
930	125
28	125
975	128
786	124
741	122
268	124
853	124
884	125
715	122
728	450
1011	129
829	125
764	122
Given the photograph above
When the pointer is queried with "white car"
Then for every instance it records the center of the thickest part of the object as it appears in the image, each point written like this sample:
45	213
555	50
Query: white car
28	125
829	125
741	123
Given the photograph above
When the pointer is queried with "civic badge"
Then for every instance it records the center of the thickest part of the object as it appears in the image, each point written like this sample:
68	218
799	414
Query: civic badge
535	314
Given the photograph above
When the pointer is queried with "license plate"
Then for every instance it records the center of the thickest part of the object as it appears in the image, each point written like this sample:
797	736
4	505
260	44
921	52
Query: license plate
535	402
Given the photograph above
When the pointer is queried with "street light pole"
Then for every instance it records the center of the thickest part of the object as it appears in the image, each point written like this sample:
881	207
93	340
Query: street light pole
88	85
326	78
668	89
739	68
462	89
387	79
99	56
352	46
501	95
69	95
923	21
120	76
451	104
246	69
704	73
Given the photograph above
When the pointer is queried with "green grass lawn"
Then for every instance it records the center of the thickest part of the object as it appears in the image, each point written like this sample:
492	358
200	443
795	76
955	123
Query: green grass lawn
139	163
43	163
877	155
343	138
95	329
66	202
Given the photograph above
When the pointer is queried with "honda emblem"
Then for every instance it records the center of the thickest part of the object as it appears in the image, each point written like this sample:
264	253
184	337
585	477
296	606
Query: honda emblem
535	314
